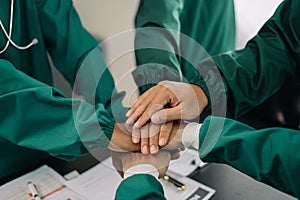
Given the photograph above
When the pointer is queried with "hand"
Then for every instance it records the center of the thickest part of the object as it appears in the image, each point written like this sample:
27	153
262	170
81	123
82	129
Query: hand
148	136
121	140
124	161
175	141
186	102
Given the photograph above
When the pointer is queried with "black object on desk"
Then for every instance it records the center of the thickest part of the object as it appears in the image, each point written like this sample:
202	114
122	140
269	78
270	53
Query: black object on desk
231	184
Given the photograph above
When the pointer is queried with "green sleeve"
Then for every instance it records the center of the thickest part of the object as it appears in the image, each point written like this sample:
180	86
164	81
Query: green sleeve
71	47
189	31
39	117
140	187
66	39
253	74
269	155
157	42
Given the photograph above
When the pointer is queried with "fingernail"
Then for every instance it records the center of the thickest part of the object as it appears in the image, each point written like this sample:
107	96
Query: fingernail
129	121
161	141
135	140
128	113
153	149
137	125
145	149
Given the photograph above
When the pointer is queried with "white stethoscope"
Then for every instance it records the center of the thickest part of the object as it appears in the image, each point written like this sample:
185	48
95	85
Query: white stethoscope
8	35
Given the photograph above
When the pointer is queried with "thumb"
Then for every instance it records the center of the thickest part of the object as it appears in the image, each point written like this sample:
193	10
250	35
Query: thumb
166	115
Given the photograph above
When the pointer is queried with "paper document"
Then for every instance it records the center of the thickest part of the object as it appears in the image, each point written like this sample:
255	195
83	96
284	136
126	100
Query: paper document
102	181
188	162
99	182
49	185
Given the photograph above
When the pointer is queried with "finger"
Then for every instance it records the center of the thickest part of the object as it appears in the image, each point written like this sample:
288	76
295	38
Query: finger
165	131
138	109
136	134
143	99
144	139
148	104
128	128
153	140
137	102
166	115
155	106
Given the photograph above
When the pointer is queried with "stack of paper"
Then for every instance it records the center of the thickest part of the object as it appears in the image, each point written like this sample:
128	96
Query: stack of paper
99	182
49	184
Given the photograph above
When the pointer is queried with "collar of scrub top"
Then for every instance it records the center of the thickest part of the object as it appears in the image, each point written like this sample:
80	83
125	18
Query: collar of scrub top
8	35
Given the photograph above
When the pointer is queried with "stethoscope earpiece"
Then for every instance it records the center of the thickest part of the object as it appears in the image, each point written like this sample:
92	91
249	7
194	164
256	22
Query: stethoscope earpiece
35	41
8	35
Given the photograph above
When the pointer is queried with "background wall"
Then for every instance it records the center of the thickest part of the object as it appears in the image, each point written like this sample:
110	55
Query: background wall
250	16
106	19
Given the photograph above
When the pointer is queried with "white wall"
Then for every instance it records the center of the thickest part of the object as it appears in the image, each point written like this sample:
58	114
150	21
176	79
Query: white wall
250	16
106	19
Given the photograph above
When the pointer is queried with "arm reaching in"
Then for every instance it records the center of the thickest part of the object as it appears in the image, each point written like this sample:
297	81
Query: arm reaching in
179	96
151	106
141	173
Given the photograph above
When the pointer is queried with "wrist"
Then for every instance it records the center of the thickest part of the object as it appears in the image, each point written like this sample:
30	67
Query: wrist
141	169
201	96
190	135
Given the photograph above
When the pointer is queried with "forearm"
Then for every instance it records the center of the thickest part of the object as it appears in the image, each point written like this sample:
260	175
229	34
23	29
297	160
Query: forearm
44	117
251	75
157	42
268	155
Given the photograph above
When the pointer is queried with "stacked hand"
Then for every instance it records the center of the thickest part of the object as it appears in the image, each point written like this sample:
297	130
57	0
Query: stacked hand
152	126
121	139
151	117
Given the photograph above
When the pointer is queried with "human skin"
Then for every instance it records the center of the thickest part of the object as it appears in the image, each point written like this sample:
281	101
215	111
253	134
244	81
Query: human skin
121	139
184	102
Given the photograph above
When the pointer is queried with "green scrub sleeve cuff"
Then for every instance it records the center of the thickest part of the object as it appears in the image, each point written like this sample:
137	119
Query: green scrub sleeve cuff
209	134
148	75
117	109
197	80
143	186
208	76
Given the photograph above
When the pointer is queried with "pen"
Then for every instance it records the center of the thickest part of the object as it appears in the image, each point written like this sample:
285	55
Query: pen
33	191
180	186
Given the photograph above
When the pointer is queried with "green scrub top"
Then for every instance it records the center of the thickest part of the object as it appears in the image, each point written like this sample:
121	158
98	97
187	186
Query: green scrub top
270	155
271	60
209	23
36	119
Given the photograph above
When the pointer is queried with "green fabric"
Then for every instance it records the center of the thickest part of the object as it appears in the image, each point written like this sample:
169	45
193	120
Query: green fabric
210	23
270	155
269	61
36	119
140	187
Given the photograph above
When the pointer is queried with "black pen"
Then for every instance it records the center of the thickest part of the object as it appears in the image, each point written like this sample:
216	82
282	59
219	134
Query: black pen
180	186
